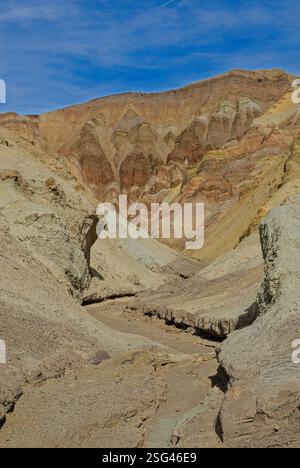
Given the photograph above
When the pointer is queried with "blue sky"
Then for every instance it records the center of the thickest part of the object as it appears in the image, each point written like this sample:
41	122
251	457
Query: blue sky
60	52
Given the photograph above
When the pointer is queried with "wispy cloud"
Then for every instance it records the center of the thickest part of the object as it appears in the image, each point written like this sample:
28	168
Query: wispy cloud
55	53
168	3
32	10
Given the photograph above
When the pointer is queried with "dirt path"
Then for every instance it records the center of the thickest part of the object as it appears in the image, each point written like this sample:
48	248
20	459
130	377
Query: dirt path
136	398
187	383
117	314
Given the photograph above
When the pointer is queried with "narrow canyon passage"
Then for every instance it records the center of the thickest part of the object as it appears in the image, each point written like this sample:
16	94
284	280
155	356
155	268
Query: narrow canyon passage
138	398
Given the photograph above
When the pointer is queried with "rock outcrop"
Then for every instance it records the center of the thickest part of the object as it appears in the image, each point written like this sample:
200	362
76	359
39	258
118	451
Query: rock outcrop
261	405
47	215
217	300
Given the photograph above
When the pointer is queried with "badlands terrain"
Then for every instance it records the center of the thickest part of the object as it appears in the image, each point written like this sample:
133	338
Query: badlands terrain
122	343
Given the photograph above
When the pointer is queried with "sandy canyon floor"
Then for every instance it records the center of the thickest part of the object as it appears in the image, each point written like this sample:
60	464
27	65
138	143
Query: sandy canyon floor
135	399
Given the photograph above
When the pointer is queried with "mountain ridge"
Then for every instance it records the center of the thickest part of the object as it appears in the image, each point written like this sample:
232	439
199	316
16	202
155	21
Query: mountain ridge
210	141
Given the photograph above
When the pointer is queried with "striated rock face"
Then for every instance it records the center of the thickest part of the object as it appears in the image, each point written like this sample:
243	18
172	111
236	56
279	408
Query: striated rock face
25	126
180	125
207	132
135	170
88	159
224	141
261	405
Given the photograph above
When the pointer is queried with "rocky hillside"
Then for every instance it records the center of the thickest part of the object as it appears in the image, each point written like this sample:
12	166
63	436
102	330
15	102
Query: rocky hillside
120	142
225	141
228	320
51	263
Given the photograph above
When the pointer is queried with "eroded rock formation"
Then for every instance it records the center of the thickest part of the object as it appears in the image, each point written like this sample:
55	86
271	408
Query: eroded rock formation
231	142
222	141
261	405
